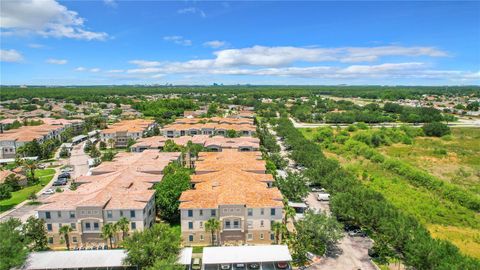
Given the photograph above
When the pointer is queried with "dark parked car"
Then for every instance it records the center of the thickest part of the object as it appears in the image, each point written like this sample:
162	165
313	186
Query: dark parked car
239	266
64	175
254	266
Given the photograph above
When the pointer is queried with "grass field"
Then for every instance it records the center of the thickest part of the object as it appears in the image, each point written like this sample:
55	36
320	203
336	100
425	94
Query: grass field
455	158
19	196
445	219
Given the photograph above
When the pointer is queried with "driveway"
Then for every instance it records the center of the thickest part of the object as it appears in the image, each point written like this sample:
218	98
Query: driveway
79	161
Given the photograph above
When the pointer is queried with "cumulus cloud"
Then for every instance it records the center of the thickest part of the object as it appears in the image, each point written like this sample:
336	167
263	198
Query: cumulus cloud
192	10
215	44
178	40
283	62
10	56
47	18
56	61
94	70
80	69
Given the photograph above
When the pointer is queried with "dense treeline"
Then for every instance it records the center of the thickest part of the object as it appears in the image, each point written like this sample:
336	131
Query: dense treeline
164	110
106	93
356	204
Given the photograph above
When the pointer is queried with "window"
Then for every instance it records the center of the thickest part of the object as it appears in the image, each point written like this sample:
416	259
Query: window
74	239
201	237
50	240
59	214
95	225
190	213
132	213
261	223
73	225
250	224
213	212
261	236
250	236
272	212
72	214
49	227
109	213
201	212
262	212
250	212
227	224
87	226
190	225
121	213
236	224
201	224
225	210
133	225
190	238
47	215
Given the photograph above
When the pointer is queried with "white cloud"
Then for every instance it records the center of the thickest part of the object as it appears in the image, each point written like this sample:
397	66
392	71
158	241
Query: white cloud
178	40
56	61
144	63
10	56
80	69
215	44
47	18
192	10
94	70
115	71
110	3
36	46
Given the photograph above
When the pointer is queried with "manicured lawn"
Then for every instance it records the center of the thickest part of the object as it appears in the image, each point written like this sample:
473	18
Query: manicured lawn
19	196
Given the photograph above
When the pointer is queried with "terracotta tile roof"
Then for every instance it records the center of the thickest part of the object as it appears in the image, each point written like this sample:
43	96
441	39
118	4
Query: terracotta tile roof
231	187
5	173
28	133
126	187
135	125
205	140
229	159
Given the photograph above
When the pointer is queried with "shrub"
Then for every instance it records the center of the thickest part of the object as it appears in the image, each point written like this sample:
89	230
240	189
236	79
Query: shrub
436	129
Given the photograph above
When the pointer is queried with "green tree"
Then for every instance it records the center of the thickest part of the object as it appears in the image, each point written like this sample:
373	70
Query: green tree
95	153
35	234
436	129
156	246
108	156
124	225
12	181
176	179
293	187
231	134
13	250
65	231
318	232
102	145
212	226
64	153
278	229
171	146
212	109
109	230
5	192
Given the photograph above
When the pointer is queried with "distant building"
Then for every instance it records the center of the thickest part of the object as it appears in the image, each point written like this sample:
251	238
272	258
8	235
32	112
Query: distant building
124	130
209	126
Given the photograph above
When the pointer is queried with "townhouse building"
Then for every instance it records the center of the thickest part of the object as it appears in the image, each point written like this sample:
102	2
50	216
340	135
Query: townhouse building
116	189
232	187
12	139
214	144
119	133
209	126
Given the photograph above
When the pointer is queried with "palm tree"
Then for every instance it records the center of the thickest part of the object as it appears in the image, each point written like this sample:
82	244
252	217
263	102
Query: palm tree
277	228
64	231
124	225
108	232
212	225
289	213
30	166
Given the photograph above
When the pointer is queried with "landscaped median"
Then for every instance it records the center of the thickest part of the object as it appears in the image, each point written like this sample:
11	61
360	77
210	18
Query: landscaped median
44	177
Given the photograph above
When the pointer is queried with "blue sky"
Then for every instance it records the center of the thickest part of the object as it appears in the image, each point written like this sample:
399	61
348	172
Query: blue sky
202	42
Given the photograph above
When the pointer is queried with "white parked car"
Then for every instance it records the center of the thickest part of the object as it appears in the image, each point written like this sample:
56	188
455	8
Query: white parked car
67	169
49	191
323	197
